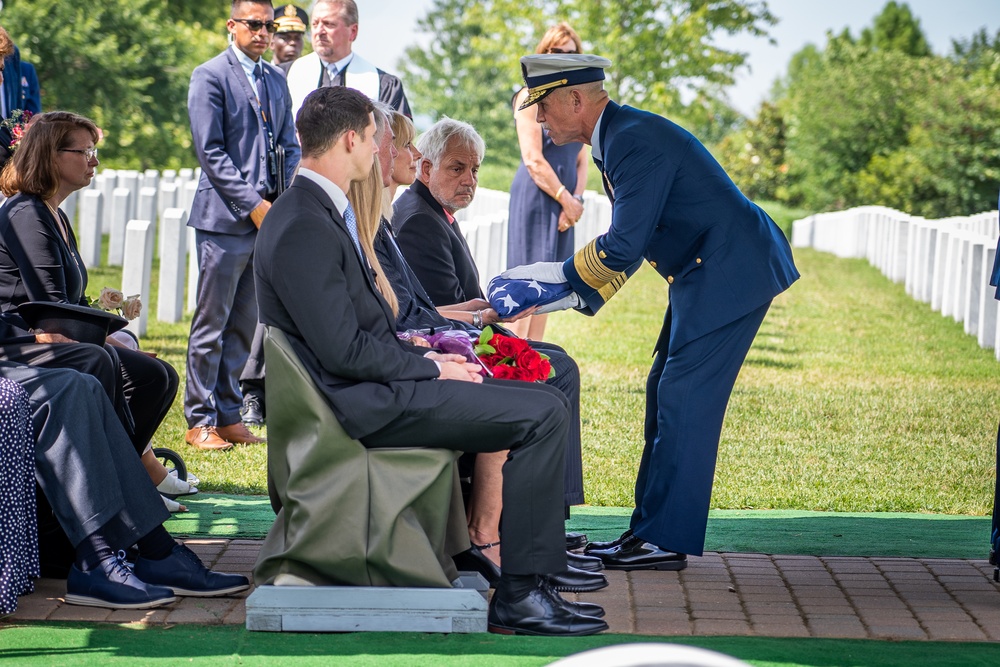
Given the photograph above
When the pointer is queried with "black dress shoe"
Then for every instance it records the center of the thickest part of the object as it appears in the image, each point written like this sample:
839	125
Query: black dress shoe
585	563
577	581
474	560
252	412
594	547
541	613
584	608
637	554
575	541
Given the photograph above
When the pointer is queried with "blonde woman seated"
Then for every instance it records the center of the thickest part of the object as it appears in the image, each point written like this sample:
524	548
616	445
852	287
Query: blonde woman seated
416	311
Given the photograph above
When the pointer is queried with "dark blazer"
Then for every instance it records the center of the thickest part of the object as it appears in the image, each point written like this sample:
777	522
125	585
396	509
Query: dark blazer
36	263
20	85
675	206
435	249
231	143
312	284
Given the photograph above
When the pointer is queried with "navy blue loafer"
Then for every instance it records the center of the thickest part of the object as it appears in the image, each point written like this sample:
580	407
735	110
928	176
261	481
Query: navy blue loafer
184	573
114	586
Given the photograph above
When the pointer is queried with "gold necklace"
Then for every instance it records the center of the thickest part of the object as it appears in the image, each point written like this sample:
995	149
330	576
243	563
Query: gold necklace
59	220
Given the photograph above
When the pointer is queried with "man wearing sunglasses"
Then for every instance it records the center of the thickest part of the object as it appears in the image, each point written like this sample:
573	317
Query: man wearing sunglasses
244	136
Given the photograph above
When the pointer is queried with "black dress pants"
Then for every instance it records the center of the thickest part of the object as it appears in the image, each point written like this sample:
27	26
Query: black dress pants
141	388
531	420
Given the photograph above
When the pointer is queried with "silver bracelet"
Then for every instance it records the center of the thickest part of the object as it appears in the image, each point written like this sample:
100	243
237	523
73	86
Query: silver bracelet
477	319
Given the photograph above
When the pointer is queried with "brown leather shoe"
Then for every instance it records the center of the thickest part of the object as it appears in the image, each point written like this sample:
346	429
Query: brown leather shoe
206	437
239	434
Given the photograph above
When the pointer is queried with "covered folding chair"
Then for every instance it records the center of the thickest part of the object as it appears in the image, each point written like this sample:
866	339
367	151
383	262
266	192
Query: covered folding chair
350	515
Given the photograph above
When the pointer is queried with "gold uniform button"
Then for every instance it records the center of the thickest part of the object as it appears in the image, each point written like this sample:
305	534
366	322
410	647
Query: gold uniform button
697	260
602	254
670	280
653	264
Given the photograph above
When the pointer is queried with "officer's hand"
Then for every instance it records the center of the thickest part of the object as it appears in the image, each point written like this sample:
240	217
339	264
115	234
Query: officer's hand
543	272
565	303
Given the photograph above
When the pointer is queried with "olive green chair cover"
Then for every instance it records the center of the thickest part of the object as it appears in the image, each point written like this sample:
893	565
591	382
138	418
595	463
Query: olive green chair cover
351	515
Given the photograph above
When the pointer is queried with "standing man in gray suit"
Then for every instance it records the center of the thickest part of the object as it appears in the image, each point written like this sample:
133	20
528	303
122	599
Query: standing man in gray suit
244	136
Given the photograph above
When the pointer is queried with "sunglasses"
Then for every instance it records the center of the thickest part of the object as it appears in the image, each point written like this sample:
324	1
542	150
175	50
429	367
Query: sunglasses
254	25
568	51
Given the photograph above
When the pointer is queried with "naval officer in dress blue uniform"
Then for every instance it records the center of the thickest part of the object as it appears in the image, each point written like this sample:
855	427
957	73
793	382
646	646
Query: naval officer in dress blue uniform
724	259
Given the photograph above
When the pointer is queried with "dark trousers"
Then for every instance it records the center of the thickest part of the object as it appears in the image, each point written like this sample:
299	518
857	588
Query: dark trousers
83	458
252	378
686	397
150	387
567	381
528	418
140	388
222	328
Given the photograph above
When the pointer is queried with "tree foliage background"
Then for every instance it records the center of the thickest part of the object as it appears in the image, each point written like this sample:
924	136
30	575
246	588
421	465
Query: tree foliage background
665	57
878	120
124	63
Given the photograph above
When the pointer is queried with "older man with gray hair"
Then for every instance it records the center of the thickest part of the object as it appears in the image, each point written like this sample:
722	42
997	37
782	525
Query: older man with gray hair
431	240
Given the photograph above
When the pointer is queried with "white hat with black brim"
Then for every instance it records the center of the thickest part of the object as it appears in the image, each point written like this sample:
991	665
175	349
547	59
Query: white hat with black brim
546	72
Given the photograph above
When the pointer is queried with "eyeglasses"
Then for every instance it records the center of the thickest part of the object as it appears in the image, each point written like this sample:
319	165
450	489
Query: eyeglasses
254	25
89	153
568	51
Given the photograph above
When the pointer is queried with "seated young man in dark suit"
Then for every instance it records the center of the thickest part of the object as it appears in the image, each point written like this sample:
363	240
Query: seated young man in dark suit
314	283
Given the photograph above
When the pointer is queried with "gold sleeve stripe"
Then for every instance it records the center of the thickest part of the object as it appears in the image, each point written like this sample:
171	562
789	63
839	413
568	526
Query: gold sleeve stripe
612	287
590	267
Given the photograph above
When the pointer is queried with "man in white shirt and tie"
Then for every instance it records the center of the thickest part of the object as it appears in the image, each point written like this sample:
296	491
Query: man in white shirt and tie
333	63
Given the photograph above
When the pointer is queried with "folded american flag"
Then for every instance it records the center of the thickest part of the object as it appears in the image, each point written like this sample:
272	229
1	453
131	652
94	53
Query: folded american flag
510	297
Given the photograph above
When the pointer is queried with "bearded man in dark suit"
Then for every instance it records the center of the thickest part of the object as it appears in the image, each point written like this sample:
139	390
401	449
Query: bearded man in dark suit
315	285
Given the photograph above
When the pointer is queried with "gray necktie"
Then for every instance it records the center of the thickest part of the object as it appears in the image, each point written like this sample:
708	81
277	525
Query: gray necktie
331	76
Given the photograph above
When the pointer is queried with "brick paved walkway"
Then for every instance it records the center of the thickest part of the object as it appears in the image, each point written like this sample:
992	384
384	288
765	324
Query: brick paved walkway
719	594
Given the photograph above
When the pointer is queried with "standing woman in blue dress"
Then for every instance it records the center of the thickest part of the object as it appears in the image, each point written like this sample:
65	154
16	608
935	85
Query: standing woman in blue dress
546	197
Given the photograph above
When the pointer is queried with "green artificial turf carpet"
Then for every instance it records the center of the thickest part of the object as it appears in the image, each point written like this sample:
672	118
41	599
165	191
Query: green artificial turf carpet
102	645
749	531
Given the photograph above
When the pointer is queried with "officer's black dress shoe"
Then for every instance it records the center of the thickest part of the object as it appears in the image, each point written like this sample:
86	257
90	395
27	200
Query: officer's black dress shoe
593	548
577	581
637	554
582	562
474	560
252	412
575	541
542	613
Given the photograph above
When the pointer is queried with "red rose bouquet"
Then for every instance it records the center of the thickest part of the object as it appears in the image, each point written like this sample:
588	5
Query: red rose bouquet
16	125
512	358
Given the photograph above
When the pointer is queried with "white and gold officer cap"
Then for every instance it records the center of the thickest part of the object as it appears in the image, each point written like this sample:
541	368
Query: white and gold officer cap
546	72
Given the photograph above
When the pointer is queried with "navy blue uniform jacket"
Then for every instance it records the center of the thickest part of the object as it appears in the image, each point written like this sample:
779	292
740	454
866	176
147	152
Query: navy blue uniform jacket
675	206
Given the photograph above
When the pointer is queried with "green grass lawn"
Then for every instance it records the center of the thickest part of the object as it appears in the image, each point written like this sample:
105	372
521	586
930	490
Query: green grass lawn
854	398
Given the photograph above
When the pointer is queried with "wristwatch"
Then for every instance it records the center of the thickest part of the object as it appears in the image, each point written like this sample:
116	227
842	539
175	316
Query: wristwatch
579	198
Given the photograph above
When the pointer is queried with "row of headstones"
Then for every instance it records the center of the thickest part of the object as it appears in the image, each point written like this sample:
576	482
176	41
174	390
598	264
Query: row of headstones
144	215
946	263
484	224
